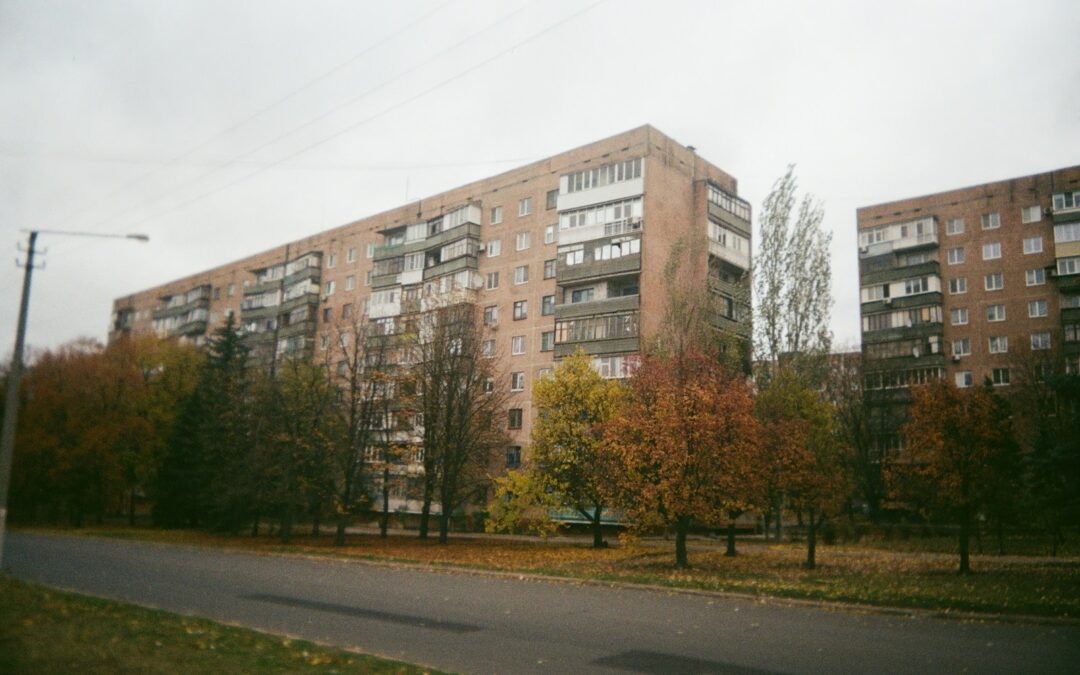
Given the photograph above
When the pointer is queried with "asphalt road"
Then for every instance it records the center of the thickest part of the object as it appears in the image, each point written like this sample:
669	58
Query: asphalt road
484	624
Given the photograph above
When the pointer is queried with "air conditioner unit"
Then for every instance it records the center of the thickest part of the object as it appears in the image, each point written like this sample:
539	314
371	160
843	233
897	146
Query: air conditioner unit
864	249
887	301
956	358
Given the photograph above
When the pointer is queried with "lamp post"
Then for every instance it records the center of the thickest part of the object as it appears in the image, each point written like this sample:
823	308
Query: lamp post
11	402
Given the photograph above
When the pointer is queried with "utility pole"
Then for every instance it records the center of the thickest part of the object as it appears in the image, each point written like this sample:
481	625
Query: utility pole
11	401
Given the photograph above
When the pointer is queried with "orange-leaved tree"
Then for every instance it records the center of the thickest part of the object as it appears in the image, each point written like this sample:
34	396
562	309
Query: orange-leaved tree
955	441
684	444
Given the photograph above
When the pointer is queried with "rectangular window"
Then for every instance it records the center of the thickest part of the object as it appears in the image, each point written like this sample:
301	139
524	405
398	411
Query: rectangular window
1035	277
488	348
324	342
1066	266
575	257
491	315
331	260
964	379
367	278
346	311
916	286
522	241
371	250
549	234
1037	309
492	280
1000	376
549	268
1031	214
521	309
1068	301
547	305
999	344
516	417
954	226
991	250
328	288
994	281
958	286
956	255
521	274
517	345
581	295
517	381
1032	245
995	312
494	248
961	347
991	221
513	457
489	384
496	215
350	255
547	341
350	282
525	207
958	316
1066	232
1040	341
328	314
552	199
617	250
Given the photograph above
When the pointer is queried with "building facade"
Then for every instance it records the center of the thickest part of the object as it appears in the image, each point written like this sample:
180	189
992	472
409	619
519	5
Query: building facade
970	285
562	254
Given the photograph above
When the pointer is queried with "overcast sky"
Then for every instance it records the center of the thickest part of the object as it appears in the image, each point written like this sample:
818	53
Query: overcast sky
247	124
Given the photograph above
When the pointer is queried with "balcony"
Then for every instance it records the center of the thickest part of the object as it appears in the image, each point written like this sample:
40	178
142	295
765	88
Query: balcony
906	243
902	302
603	306
465	262
732	217
386	280
1070	315
308	298
305	273
1068	283
306	327
181	309
919	330
736	258
596	269
880	273
626	345
576	235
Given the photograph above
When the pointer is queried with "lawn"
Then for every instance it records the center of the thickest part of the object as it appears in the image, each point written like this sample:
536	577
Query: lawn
867	573
47	631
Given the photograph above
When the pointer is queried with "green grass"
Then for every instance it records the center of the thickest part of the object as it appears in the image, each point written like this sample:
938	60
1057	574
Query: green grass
47	631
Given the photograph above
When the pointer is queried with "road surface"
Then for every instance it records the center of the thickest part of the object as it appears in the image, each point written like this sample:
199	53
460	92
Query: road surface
486	624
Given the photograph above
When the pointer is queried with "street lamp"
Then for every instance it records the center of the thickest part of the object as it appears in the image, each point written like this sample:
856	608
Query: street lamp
11	402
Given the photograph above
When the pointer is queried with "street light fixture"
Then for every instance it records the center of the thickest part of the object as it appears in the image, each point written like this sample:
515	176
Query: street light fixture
11	402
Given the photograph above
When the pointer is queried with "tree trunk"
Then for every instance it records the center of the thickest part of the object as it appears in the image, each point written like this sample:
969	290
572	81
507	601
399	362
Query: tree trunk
597	529
339	532
730	552
811	541
778	527
425	515
965	535
682	527
131	509
384	521
444	526
255	526
767	517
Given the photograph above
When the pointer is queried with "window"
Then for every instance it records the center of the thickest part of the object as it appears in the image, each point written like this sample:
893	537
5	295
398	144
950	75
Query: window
1031	214
956	255
549	268
1040	341
328	289
217	293
516	417
324	342
1066	232
346	311
488	349
367	278
350	255
370	250
994	281
1066	200
1037	308
547	341
961	347
1072	332
521	274
958	286
1032	245
491	315
575	257
552	199
547	305
517	345
513	457
522	241
992	250
328	314
995	312
1035	277
331	260
1000	376
1070	301
350	282
494	248
954	226
496	215
581	295
231	290
991	221
999	344
964	379
525	207
549	234
492	280
915	286
521	309
517	381
617	250
1066	266
543	373
958	316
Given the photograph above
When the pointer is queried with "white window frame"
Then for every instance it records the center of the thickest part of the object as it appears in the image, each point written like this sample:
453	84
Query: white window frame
960	287
350	255
521	241
958	316
1035	277
517	381
496	215
492	276
954	226
964	379
992	275
1040	341
521	275
995	312
1033	241
524	207
1027	212
998	344
961	347
350	282
494	248
991	221
1034	307
517	345
956	255
991	250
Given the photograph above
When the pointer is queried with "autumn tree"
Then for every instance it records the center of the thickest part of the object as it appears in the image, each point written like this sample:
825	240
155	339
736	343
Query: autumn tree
573	406
955	442
684	444
854	426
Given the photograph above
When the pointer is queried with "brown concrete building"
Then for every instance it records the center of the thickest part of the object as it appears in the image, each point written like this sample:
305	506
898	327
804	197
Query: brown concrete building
976	284
564	253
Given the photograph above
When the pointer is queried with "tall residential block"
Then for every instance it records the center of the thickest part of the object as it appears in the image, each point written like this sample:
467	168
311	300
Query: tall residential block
979	284
565	253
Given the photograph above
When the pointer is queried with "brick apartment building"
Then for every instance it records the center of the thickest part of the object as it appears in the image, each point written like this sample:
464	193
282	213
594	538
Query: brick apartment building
975	284
564	253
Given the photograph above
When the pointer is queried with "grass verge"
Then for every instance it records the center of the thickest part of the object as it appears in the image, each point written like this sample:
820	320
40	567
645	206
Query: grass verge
858	574
47	631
